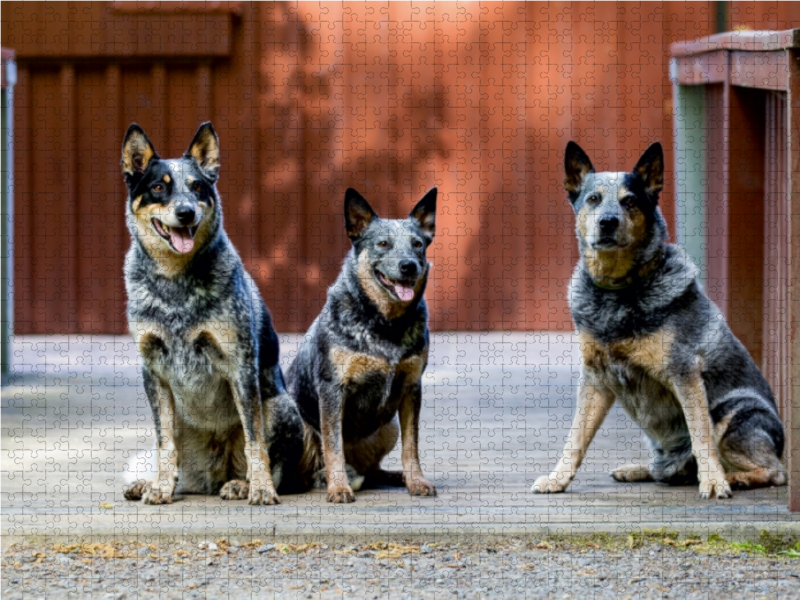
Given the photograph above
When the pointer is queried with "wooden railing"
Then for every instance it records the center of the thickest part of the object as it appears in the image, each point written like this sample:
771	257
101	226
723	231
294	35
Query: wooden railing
737	131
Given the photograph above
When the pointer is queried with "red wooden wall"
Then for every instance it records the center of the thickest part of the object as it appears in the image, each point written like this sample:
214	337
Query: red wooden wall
310	98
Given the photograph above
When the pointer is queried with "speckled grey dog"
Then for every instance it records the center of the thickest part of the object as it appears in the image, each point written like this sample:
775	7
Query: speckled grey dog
209	352
652	339
361	362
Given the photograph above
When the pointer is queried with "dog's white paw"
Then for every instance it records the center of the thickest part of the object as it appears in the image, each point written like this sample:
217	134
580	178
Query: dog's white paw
715	487
549	484
158	492
263	495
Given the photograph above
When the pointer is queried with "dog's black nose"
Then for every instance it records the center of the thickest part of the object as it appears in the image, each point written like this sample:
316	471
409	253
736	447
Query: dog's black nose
185	214
608	224
408	268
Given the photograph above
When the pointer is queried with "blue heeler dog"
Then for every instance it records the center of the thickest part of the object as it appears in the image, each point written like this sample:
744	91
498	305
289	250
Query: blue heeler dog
361	363
224	423
652	339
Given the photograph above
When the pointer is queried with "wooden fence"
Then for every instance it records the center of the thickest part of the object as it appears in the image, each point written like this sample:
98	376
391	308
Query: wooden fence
310	98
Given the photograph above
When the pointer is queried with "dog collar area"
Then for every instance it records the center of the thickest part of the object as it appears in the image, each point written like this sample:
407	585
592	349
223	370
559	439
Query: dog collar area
654	265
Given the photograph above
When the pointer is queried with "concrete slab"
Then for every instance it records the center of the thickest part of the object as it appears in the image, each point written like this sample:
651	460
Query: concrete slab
496	412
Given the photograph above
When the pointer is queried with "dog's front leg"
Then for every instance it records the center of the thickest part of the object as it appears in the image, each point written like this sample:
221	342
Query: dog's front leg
594	402
409	409
162	489
247	396
331	406
691	394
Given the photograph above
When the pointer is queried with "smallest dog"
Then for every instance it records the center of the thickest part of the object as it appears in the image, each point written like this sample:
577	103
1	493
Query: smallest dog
362	360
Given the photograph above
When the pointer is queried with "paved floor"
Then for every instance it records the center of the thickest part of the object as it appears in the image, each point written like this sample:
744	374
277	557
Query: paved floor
496	410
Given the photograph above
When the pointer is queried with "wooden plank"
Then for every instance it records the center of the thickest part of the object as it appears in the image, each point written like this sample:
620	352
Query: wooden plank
24	315
701	70
753	41
761	70
793	318
775	363
113	142
166	8
63	249
91	30
745	230
718	169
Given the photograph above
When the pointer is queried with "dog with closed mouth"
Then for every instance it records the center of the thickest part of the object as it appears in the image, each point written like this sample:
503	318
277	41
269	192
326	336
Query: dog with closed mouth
651	338
223	420
360	365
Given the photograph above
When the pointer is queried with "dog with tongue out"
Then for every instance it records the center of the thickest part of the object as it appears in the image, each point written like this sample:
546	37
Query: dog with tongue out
357	374
224	423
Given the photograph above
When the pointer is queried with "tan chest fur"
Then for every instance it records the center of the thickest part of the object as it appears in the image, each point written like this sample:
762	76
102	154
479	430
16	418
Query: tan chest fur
354	367
650	352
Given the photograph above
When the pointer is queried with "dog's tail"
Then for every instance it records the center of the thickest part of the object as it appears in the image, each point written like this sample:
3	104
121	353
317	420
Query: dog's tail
675	466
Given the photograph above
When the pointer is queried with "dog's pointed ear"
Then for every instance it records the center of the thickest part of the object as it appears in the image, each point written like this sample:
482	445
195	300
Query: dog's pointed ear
576	166
358	214
137	154
205	150
651	169
424	213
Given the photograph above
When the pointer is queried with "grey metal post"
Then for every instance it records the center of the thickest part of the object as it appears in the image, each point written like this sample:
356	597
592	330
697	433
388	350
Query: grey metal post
7	216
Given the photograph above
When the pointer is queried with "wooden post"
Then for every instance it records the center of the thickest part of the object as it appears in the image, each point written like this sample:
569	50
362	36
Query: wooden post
793	417
750	85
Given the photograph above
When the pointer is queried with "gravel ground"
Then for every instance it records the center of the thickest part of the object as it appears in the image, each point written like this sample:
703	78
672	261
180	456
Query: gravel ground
514	569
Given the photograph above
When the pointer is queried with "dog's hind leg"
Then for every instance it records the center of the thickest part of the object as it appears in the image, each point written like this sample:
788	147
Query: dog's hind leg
366	455
632	472
759	468
750	440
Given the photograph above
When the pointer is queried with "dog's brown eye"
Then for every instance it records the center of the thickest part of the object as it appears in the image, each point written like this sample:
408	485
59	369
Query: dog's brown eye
417	244
628	201
197	186
383	244
594	199
158	188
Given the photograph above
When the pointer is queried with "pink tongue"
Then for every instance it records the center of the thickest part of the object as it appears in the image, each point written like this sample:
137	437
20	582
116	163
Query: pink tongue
181	239
406	294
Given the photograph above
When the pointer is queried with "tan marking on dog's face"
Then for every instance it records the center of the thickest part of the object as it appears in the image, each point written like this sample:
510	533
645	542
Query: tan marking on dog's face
166	178
389	307
615	263
352	366
170	263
